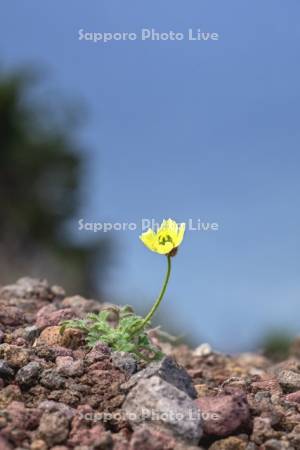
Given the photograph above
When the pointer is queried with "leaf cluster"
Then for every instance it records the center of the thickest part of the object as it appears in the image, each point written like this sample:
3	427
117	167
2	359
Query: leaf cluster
119	328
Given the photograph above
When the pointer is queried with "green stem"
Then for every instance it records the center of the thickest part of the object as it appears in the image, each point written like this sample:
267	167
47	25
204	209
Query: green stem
159	299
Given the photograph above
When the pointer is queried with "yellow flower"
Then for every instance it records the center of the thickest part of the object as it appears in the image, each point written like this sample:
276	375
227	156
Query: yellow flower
167	238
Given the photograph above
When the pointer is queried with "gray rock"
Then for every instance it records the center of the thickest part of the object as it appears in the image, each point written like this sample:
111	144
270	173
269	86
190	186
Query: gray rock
251	446
99	352
28	375
125	362
54	428
31	333
67	367
6	372
51	353
45	352
81	305
51	379
203	350
163	406
289	380
50	406
58	292
26	288
168	370
274	444
62	351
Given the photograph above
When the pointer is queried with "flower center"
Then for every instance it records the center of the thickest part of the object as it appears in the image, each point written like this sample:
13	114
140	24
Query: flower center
164	238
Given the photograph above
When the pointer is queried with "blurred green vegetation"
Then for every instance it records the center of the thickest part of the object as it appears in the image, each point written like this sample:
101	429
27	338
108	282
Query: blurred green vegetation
276	345
40	174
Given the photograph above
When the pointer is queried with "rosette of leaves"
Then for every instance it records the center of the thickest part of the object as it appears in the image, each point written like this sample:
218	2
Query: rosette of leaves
119	328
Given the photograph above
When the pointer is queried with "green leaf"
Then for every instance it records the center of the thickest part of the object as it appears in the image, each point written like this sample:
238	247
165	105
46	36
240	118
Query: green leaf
122	337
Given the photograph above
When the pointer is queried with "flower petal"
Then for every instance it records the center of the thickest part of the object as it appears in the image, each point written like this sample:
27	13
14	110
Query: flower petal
180	234
164	249
172	225
168	237
162	227
149	239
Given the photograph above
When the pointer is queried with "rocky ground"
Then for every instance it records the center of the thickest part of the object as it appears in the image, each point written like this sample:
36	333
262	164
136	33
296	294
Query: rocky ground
55	393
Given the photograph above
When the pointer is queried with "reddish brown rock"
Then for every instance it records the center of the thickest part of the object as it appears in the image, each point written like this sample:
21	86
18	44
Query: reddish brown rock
50	316
231	443
38	444
50	336
8	394
271	385
16	357
67	396
10	315
223	414
83	418
73	338
294	397
4	444
263	431
94	437
43	314
59	447
20	422
149	439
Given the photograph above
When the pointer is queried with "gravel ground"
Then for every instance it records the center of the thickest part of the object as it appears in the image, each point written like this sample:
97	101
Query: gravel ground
55	393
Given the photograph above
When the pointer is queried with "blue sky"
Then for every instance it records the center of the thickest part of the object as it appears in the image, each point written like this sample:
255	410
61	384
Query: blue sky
182	129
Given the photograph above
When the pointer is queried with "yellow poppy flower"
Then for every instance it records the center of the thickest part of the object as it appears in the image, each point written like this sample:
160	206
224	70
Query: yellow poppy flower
167	238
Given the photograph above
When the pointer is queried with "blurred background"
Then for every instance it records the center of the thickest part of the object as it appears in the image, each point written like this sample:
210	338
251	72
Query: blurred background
129	130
